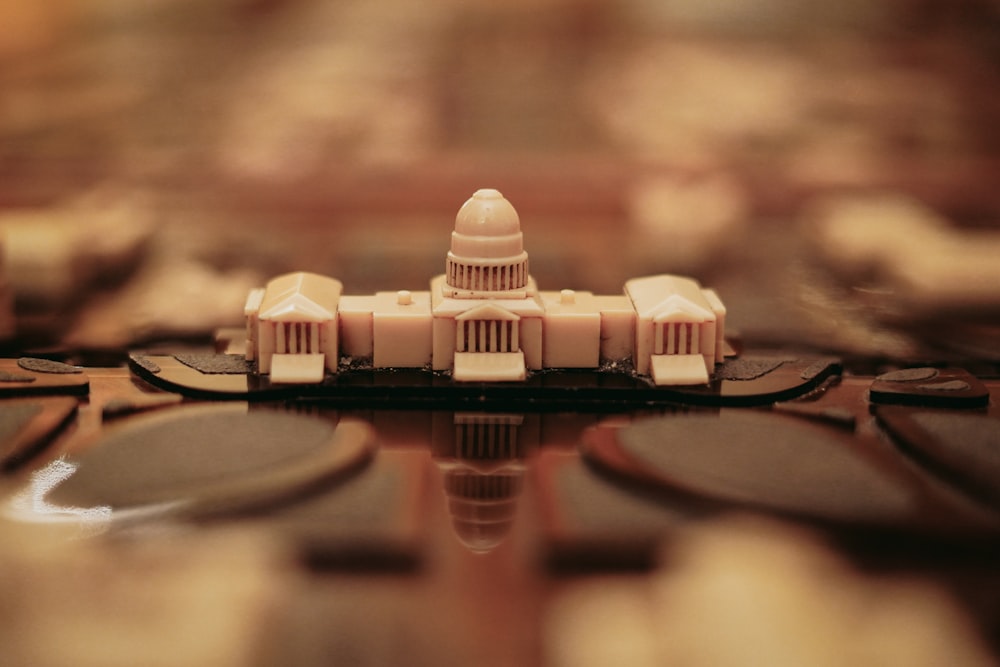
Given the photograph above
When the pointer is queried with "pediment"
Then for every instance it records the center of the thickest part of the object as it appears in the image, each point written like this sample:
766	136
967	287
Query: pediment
676	308
296	308
300	297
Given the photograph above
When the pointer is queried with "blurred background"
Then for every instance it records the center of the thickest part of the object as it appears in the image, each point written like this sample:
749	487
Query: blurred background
832	169
828	167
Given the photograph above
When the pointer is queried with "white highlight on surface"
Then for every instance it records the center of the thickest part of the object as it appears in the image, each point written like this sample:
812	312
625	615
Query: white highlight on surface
31	504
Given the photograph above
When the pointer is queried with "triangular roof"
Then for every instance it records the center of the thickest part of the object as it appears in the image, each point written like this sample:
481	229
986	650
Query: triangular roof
300	297
676	308
667	297
488	311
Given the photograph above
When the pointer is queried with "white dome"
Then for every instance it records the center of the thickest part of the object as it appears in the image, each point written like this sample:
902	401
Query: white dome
487	227
487	248
487	213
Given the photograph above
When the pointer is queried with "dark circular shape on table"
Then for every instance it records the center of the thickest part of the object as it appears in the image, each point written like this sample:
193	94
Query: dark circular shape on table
767	460
210	457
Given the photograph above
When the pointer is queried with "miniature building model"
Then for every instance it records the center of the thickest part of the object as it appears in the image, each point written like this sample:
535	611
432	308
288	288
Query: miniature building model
487	313
678	329
292	327
484	319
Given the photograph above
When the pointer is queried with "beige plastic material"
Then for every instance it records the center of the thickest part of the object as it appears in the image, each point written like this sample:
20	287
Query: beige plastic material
401	330
679	369
715	303
509	322
572	336
295	314
357	338
487	257
673	317
495	367
250	311
617	327
484	318
297	368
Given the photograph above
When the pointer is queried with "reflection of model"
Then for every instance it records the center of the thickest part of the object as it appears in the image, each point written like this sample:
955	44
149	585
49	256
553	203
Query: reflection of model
481	457
484	319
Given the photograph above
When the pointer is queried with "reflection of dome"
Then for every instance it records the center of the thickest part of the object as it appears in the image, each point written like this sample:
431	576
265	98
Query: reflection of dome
482	506
487	247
